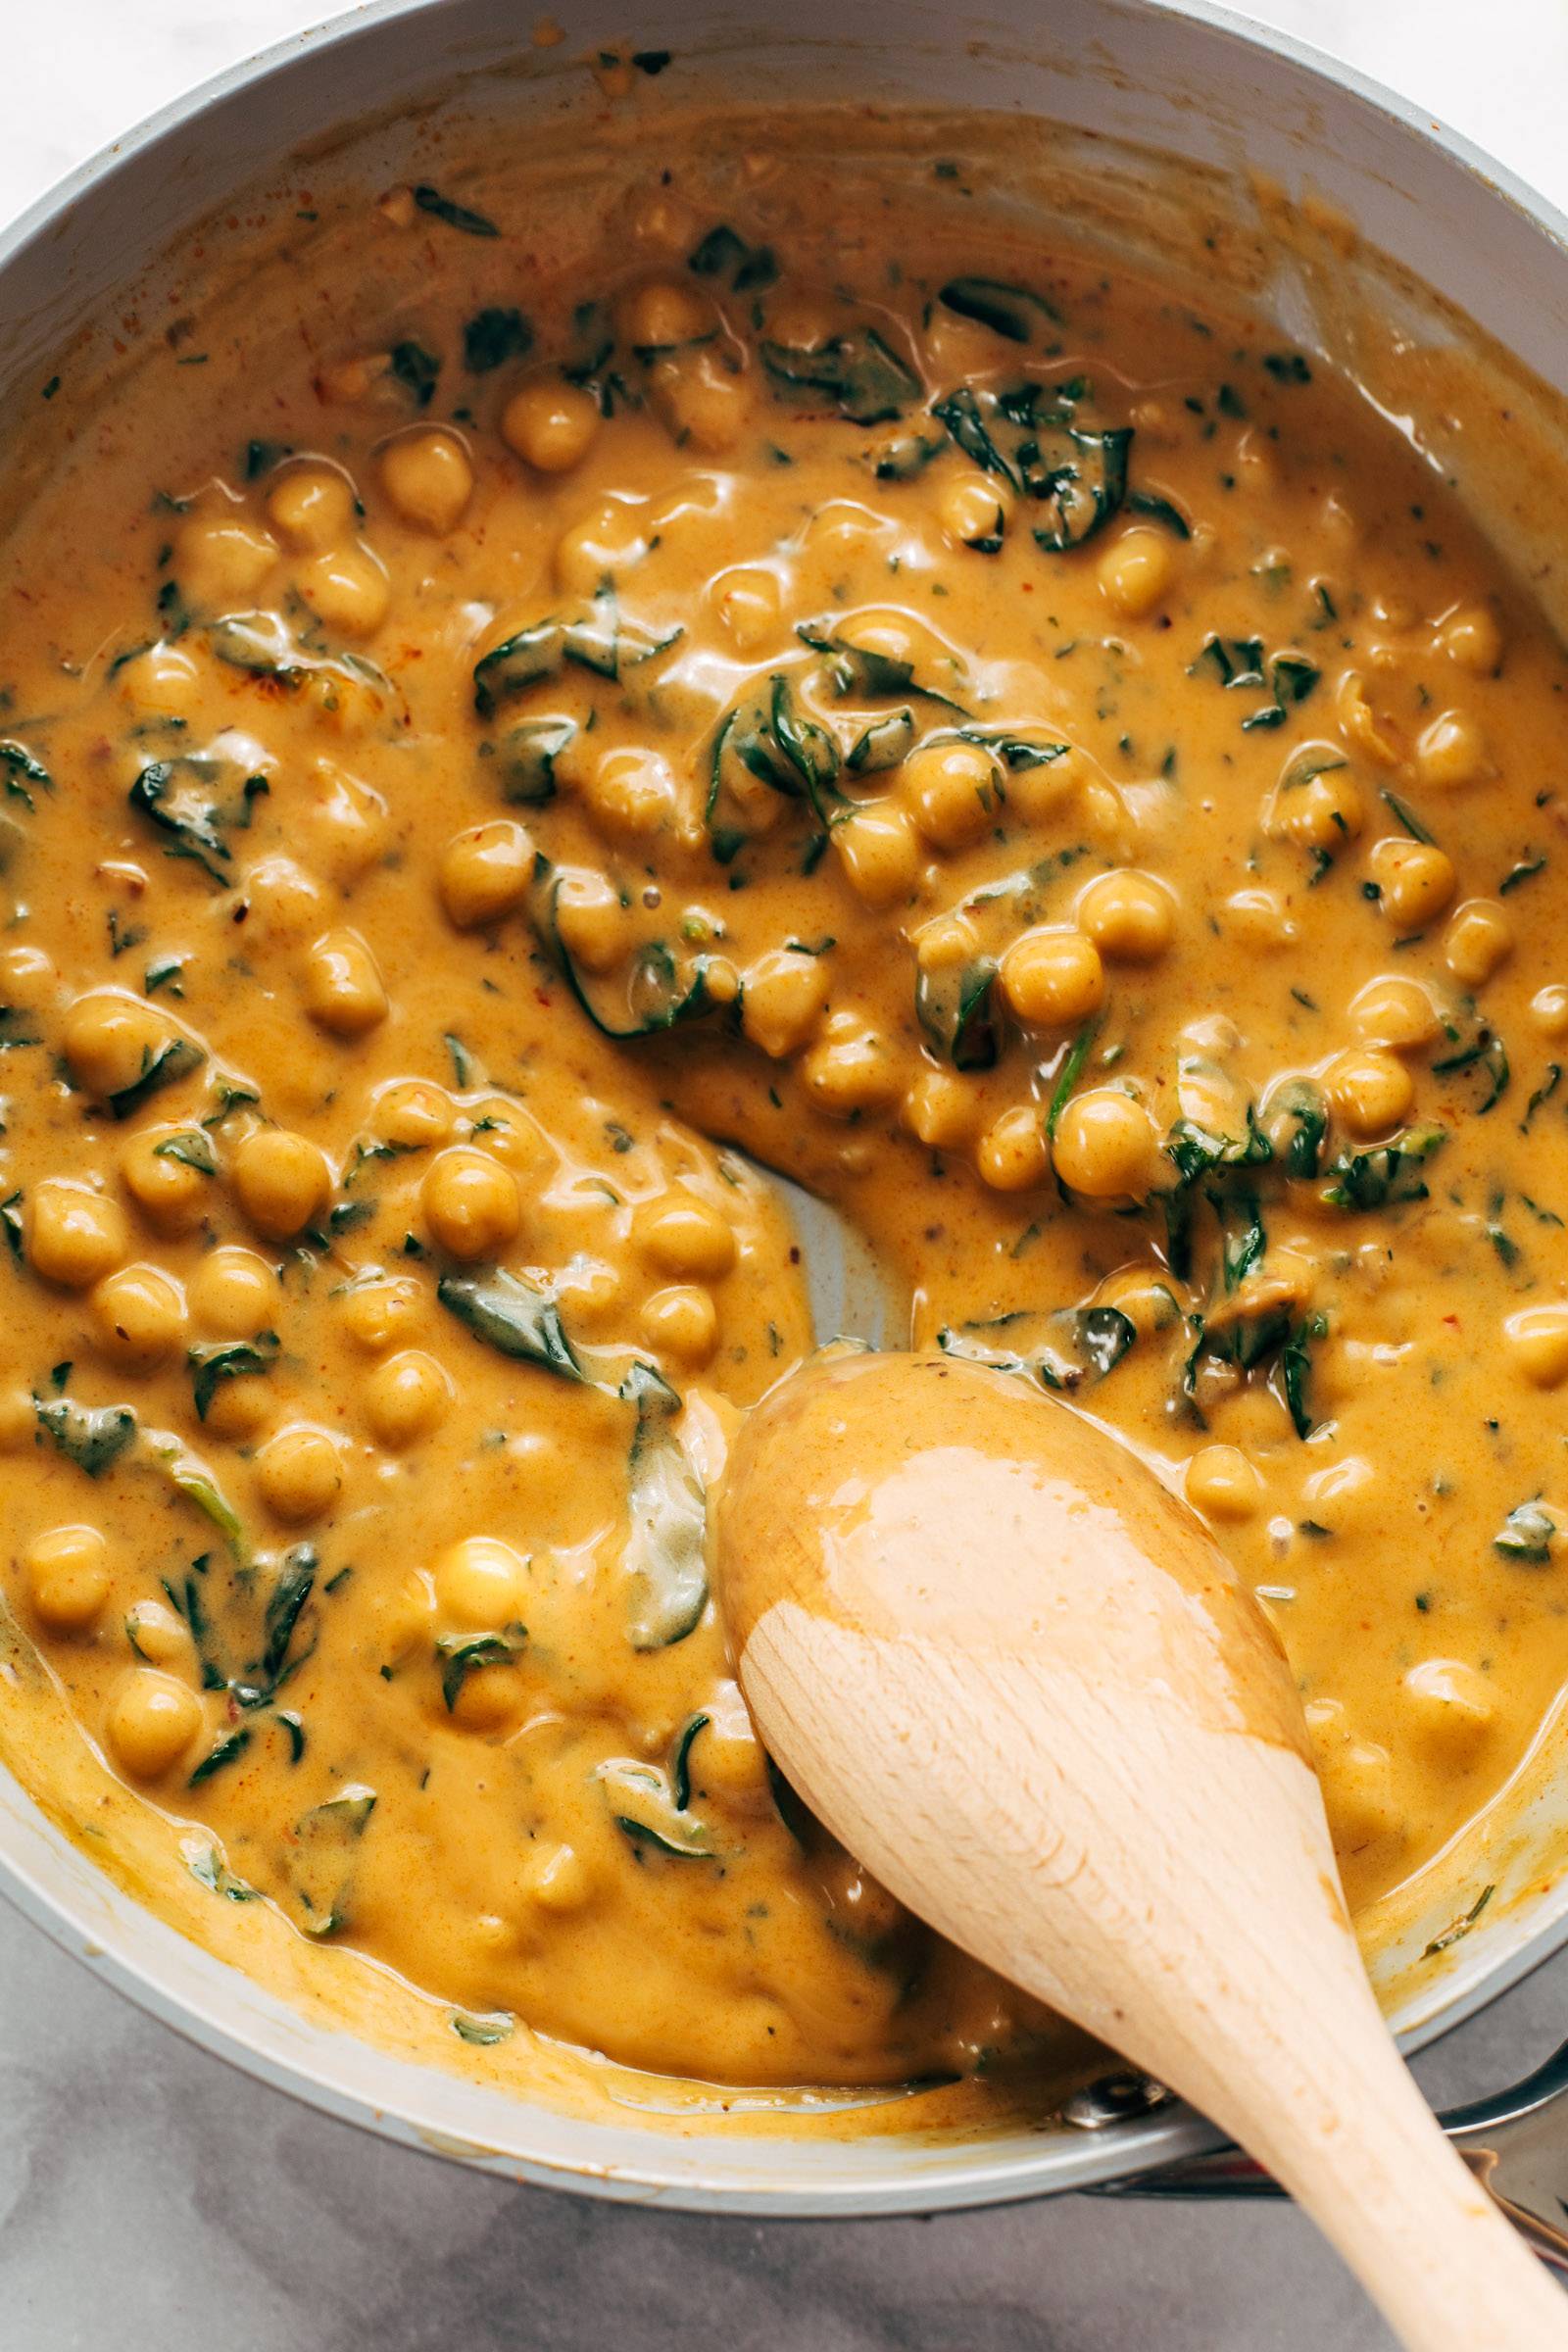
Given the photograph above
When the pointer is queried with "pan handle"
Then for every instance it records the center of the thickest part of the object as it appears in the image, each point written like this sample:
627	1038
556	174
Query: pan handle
1515	2142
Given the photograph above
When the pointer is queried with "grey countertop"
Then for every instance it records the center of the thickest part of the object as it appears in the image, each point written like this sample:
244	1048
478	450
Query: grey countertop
153	2200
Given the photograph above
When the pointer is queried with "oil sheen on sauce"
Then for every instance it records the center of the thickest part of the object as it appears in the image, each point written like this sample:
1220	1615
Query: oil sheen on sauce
1041	763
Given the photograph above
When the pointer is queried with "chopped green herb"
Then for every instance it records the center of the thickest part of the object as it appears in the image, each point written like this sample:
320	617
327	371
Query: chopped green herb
456	216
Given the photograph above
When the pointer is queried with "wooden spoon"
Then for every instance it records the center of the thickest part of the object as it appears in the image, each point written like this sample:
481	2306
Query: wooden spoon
1019	1681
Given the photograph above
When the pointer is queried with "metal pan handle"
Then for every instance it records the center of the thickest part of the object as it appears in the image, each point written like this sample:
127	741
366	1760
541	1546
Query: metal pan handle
1516	2142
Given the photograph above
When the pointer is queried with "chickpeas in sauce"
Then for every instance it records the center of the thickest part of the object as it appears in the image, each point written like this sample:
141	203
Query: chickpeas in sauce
1042	766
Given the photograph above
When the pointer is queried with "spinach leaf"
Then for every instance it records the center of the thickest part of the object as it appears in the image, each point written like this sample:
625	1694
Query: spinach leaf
20	770
484	2032
665	1561
493	336
176	1058
229	1748
723	253
956	1007
1481	1051
1237	662
192	1148
680	1754
882	744
650	991
1386	1175
460	1654
196	1483
642	1799
512	1317
527	759
1072	1347
420	370
179	797
93	1437
322	1857
215	1360
1067	1077
1294	1371
855	372
517	663
1017	313
1526	1534
456	216
1296	1121
295	1582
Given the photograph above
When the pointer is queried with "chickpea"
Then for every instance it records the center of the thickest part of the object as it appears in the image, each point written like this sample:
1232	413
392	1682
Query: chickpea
1039	794
344	990
348	821
550	425
728	1764
970	511
558	1880
426	475
281	1181
1549	1009
168	1189
73	1235
140	1316
1221	1483
631	792
347	590
157	1635
310	507
784	996
1260	918
1130	916
1370	1090
283	901
702	400
1321	812
1478	940
1135	572
404	1398
852	1068
471	1203
487	1699
681	1321
591	920
240	1407
298	1471
749	602
1450	1703
27	976
943	1110
481	1584
160	682
485	873
1415	881
415	1115
1107	1145
1013	1153
1394	1013
222	561
1471	638
880	854
1053	977
1537	1340
602	544
19	1420
383	1314
234	1294
663	313
954	791
1450	753
682	1234
68	1578
111	1040
152	1721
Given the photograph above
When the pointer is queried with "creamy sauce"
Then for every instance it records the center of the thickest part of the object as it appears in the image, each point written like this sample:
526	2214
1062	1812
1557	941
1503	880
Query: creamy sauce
1047	767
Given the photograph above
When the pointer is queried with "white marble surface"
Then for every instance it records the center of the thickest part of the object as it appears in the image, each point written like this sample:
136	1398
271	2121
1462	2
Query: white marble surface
152	2201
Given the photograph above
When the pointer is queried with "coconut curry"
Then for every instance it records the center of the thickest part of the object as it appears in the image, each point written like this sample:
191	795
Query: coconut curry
1042	764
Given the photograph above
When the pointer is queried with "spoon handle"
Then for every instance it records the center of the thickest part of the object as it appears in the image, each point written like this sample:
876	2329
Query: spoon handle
1203	1935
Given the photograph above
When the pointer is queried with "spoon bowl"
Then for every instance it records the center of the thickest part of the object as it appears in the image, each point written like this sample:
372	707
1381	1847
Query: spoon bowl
1018	1678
